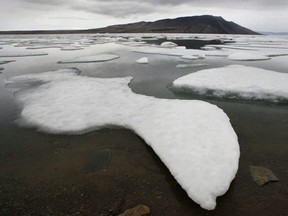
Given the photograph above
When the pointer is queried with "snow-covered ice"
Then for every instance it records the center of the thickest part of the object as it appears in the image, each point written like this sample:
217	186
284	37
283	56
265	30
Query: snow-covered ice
21	53
247	56
236	81
92	58
168	44
193	138
143	60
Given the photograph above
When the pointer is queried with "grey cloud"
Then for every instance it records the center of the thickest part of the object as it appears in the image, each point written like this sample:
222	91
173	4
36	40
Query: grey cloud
127	8
116	8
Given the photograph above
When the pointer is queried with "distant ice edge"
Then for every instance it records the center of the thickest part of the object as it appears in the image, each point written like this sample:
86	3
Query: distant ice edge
194	139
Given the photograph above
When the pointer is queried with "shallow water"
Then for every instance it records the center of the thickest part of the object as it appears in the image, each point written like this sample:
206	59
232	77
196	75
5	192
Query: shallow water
43	174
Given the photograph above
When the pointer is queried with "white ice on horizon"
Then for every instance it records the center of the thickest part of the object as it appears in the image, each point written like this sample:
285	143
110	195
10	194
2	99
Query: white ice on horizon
21	53
143	60
92	58
194	139
236	80
247	56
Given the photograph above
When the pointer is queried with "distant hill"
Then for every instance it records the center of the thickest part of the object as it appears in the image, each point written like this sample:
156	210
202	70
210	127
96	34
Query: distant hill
205	24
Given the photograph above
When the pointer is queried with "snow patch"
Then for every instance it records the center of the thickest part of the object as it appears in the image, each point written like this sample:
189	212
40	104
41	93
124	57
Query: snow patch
194	139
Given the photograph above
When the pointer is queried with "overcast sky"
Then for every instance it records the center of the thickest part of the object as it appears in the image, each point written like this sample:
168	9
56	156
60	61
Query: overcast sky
258	15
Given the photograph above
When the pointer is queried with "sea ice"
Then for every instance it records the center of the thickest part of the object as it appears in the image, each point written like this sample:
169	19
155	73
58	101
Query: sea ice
21	53
236	80
193	138
190	57
92	58
247	56
180	52
183	66
168	44
143	60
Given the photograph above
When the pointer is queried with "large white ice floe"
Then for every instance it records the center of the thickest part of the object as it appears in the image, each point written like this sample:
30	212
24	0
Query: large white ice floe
21	53
236	81
244	56
194	139
92	58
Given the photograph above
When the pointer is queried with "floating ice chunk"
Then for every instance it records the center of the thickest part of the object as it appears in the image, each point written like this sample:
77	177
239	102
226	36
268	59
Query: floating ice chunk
208	48
93	58
21	53
183	66
180	47
71	48
168	44
201	56
143	60
247	56
236	80
194	139
190	57
43	46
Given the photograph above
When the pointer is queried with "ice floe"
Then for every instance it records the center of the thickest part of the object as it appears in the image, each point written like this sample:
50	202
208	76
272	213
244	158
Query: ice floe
190	57
168	44
183	66
143	60
92	58
236	81
247	56
21	53
194	139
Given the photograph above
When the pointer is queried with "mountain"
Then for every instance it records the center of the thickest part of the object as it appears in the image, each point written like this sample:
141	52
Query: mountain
205	24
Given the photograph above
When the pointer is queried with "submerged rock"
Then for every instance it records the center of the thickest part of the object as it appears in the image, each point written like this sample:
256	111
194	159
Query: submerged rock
262	175
139	210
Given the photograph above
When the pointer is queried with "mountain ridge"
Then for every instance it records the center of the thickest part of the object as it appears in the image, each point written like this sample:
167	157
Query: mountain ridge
204	24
